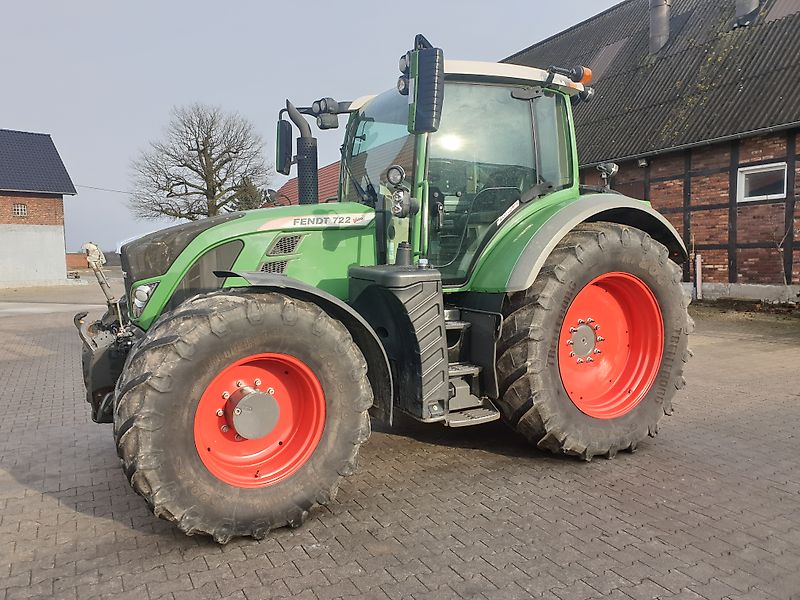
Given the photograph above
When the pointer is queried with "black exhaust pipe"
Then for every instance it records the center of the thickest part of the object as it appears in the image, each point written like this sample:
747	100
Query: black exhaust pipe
307	178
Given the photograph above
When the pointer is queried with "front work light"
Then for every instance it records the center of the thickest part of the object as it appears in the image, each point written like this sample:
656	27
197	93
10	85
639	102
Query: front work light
395	175
141	295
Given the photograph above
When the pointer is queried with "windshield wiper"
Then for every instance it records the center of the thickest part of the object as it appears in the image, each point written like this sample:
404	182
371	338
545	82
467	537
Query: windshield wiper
537	191
365	196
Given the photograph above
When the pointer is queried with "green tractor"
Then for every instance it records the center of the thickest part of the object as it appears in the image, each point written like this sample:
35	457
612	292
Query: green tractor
463	276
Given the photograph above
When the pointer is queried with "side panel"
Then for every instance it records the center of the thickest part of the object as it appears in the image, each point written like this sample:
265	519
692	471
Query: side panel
515	256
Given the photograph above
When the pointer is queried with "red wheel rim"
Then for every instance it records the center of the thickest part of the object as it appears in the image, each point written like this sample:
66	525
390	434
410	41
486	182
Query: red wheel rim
263	461
610	345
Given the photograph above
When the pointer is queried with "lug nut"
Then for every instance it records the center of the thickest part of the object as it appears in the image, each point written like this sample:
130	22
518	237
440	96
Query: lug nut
590	359
224	429
240	383
600	338
225	395
571	354
581	321
596	327
270	391
238	438
257	382
570	343
220	412
590	320
579	361
597	351
237	411
572	330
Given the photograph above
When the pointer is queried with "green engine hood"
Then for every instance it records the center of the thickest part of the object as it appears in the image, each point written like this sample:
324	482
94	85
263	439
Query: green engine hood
315	243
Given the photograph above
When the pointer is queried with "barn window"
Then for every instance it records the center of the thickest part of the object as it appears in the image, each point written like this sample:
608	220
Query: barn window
19	210
764	182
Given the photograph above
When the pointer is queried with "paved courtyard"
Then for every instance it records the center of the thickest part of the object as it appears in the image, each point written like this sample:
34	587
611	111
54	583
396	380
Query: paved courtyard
708	509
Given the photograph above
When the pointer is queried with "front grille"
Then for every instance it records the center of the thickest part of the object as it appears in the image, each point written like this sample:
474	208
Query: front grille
285	245
276	266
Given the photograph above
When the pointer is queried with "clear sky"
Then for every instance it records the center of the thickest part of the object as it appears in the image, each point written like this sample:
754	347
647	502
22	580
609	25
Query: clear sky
101	76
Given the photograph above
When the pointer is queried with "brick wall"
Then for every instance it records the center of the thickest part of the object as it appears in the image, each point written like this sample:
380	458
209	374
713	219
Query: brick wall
667	195
759	227
763	147
76	260
760	265
710	189
761	223
715	266
42	210
710	226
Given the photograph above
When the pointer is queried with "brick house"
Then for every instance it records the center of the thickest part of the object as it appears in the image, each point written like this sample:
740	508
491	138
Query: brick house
699	104
33	182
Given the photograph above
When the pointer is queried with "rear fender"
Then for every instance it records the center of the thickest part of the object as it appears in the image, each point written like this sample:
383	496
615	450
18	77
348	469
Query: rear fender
378	371
611	207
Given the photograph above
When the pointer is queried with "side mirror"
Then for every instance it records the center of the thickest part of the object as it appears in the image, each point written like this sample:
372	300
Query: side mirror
425	86
283	148
607	171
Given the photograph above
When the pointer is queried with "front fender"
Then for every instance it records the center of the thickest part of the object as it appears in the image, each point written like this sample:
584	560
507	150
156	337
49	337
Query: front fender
549	226
378	370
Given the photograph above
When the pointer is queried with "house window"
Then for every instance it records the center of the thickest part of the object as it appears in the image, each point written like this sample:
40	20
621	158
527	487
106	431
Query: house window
19	210
765	182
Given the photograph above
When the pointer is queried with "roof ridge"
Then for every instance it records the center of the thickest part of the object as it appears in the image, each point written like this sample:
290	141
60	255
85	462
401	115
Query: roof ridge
569	29
25	132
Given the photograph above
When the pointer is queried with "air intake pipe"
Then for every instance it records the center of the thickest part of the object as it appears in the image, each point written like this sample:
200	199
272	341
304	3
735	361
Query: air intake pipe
307	177
659	24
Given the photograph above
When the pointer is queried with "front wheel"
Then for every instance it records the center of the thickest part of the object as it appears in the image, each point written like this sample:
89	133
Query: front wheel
592	354
241	410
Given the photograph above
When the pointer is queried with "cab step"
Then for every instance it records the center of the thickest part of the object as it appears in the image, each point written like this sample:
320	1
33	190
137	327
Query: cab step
457	325
486	413
462	369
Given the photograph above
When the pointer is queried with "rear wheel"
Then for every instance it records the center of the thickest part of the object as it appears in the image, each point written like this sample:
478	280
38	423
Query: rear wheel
240	411
592	354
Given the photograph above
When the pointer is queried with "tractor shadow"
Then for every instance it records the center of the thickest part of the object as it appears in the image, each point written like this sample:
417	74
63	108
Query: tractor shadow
495	437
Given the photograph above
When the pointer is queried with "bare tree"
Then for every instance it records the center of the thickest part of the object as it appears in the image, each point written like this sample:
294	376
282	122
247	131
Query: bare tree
208	162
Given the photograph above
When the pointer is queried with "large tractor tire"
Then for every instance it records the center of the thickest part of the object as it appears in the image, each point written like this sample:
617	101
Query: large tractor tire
241	410
591	355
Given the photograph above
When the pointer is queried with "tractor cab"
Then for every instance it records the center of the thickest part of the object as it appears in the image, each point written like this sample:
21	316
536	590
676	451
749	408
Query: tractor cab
448	155
501	135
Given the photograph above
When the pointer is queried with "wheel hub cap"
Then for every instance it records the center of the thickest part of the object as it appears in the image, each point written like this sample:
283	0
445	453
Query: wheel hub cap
251	413
584	341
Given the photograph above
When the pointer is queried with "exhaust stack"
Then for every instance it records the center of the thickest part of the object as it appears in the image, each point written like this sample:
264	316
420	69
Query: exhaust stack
659	24
307	177
745	10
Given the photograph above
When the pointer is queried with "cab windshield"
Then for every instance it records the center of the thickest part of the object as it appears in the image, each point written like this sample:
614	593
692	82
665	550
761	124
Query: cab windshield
377	138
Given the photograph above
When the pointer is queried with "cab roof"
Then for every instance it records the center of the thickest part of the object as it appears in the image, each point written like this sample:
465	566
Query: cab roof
496	71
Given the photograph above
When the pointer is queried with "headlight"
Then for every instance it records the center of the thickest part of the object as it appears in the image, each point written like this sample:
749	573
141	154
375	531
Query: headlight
141	295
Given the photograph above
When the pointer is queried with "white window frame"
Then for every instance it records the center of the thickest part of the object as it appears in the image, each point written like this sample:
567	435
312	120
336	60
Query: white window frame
745	171
19	209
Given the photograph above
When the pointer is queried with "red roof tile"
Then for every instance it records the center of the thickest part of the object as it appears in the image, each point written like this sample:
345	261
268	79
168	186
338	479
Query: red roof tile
328	185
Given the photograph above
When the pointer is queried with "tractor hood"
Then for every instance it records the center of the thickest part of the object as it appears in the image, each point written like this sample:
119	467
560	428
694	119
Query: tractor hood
314	243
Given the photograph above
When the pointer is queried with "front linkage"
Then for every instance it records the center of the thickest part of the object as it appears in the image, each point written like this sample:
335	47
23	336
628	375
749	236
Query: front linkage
106	343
